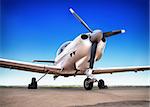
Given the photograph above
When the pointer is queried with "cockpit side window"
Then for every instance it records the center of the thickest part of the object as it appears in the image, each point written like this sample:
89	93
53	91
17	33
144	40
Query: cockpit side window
62	47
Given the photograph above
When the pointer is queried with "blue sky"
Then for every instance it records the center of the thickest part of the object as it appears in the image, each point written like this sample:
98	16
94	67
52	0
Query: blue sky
34	29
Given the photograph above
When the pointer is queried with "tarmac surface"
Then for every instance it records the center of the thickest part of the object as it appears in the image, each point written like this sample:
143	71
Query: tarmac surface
75	97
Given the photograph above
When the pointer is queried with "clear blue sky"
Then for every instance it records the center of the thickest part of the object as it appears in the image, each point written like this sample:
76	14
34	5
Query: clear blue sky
34	29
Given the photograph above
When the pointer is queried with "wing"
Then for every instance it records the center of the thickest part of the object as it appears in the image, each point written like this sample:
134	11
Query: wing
120	69
19	65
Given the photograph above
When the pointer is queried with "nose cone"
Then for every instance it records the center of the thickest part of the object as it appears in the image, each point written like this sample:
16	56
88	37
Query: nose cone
96	36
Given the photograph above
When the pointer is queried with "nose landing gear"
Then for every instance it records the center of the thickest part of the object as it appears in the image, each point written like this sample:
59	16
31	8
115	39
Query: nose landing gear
88	84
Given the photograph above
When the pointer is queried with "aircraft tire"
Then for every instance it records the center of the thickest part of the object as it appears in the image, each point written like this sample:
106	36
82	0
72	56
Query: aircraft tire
101	84
87	85
33	84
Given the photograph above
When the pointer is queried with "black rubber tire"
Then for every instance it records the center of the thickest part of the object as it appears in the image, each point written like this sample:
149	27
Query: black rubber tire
33	84
88	86
33	80
101	84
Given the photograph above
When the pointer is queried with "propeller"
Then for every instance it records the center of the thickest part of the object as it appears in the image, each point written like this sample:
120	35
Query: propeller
95	36
92	56
111	33
80	20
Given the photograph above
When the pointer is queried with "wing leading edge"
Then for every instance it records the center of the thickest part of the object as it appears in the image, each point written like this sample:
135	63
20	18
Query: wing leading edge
19	65
120	69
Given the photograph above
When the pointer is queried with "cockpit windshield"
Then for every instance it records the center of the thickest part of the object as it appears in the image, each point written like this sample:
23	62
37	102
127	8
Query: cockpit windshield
62	47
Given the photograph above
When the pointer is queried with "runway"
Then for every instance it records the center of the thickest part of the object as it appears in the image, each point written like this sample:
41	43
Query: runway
75	97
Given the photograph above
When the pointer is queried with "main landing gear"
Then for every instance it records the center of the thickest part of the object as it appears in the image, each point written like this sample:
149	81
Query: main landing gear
33	84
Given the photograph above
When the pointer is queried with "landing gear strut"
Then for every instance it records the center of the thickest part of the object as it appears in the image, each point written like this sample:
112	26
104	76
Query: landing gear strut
33	84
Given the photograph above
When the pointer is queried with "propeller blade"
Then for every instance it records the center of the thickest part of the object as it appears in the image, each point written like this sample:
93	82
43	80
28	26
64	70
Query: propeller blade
111	33
80	20
93	53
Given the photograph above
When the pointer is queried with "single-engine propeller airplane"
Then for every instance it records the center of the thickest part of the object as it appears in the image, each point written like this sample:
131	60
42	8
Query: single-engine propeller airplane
75	57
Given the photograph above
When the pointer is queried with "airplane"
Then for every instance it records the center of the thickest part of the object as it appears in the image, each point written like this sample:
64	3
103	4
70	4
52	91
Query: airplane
75	57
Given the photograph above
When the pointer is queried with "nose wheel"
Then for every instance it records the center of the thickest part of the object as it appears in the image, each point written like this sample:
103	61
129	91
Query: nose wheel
101	84
88	84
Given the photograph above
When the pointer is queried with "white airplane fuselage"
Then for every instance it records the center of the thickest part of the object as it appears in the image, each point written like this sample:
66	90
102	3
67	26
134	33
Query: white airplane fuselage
76	55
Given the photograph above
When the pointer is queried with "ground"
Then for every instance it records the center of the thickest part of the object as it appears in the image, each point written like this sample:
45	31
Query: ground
75	97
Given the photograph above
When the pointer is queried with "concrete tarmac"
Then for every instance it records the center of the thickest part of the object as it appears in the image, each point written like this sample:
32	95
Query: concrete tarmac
75	97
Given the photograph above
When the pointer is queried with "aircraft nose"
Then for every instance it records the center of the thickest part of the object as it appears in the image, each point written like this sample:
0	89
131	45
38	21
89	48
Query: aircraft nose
96	36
